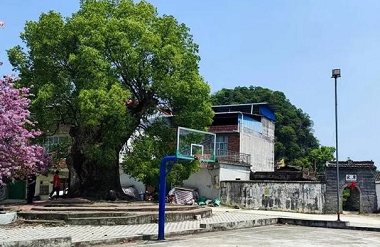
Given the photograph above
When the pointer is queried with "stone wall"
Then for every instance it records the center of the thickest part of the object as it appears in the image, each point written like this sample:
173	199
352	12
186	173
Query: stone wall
302	196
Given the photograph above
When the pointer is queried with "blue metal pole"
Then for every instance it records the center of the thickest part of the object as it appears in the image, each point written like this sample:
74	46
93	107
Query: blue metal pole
162	199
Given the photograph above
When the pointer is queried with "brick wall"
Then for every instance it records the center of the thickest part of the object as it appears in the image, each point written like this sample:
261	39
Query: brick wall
223	128
234	143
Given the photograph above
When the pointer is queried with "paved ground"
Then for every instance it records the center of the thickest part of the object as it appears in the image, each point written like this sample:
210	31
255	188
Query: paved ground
90	233
371	220
93	233
272	236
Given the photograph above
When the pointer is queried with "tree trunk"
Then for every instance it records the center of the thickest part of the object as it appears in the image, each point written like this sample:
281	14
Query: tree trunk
94	181
88	179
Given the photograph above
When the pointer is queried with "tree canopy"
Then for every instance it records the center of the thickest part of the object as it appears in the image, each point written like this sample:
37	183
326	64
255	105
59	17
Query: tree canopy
319	157
147	151
103	71
294	136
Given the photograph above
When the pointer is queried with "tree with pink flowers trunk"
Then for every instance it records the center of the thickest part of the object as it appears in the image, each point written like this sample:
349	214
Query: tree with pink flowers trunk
18	157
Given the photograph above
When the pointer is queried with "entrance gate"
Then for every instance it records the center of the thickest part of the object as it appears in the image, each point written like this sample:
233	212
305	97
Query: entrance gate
351	199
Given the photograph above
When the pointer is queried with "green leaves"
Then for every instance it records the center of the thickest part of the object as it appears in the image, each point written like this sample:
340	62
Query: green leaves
96	105
148	149
85	68
321	155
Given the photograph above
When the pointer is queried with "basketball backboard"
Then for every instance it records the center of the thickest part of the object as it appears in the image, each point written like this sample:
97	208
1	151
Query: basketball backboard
195	144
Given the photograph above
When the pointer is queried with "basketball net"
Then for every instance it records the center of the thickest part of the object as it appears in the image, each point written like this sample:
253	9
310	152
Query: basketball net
202	159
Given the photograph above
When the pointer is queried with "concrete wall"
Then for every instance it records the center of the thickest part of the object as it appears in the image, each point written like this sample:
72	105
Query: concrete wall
259	145
233	172
126	181
206	179
207	182
365	184
303	196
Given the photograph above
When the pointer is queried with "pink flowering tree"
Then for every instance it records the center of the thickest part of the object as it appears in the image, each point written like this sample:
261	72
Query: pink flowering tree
18	157
2	25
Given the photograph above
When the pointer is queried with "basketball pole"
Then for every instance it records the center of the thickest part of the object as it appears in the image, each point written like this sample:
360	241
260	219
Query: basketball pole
162	198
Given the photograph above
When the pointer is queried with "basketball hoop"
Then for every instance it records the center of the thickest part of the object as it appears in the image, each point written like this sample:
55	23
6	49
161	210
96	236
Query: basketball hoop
195	144
203	160
191	145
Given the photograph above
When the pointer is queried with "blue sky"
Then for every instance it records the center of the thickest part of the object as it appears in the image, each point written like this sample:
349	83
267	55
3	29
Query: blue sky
289	46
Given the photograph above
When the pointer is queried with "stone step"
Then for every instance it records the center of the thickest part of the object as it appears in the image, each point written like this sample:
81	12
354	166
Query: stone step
144	218
64	215
45	222
64	203
114	218
128	209
131	220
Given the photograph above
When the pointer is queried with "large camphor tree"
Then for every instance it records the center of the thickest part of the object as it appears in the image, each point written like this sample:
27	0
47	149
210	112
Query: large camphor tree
103	71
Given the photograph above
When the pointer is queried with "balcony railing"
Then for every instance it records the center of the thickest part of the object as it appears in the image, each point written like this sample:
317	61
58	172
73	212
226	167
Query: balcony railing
224	156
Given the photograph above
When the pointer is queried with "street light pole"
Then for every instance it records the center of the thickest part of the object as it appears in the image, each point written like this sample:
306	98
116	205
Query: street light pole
336	75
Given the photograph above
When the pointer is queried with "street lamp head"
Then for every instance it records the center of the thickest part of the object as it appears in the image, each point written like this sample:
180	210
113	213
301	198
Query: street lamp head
335	73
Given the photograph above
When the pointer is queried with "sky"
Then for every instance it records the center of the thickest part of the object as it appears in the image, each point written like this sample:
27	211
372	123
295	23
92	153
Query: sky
290	46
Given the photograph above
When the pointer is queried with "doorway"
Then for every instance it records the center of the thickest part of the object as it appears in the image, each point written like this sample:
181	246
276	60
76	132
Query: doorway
351	199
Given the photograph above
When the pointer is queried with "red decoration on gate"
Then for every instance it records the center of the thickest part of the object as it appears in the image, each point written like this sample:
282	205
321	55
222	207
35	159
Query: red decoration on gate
352	185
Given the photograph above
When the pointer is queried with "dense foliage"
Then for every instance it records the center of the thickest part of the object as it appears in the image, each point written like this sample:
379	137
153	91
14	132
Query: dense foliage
147	151
319	156
18	157
103	71
294	137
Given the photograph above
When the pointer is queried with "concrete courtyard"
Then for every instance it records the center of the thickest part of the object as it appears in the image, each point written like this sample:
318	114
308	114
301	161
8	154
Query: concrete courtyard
273	235
277	235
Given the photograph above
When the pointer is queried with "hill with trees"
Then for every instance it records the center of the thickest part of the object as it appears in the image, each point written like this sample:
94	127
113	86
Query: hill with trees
294	136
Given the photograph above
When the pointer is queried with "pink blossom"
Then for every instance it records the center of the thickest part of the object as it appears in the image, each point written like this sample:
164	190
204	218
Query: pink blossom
17	156
2	25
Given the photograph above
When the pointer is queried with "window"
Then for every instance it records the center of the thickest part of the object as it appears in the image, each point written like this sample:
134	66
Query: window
221	145
53	141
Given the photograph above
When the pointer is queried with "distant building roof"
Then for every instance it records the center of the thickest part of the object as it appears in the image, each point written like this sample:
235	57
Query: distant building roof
351	163
286	173
262	109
